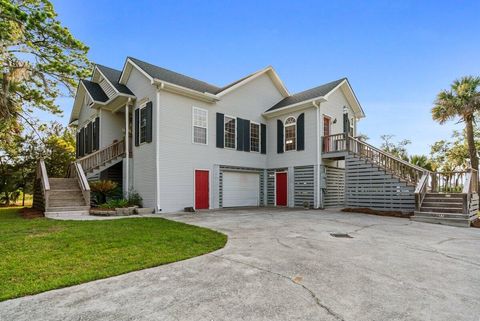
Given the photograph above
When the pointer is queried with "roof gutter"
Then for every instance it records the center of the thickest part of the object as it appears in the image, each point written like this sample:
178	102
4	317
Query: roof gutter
164	85
297	106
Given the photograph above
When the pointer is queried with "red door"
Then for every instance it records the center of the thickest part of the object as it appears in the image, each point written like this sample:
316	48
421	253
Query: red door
281	189
201	190
326	133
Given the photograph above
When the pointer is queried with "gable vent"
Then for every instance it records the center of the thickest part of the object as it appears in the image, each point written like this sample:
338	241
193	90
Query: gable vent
107	88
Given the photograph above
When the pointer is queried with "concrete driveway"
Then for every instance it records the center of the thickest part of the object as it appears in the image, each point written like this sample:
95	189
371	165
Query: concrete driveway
285	265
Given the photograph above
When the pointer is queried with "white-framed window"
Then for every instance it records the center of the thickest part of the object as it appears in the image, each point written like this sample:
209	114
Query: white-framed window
230	128
200	125
254	137
352	128
142	133
290	134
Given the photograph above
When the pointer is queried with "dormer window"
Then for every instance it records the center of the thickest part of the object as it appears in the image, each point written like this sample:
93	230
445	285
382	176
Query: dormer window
290	134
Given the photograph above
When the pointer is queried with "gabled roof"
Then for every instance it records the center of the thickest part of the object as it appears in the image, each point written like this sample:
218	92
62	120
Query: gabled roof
159	74
308	94
268	71
313	96
95	91
175	78
113	76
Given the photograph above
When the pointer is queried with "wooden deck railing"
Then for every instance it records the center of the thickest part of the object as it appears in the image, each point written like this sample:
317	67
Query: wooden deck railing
396	166
102	156
461	182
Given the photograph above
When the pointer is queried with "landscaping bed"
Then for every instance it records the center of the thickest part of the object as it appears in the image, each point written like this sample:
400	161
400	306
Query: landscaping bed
42	254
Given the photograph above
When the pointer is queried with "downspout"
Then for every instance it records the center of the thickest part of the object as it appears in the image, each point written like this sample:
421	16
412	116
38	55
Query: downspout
319	196
127	148
157	145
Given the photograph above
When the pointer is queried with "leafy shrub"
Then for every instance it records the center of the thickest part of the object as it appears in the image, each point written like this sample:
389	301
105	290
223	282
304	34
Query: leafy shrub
103	188
134	198
115	203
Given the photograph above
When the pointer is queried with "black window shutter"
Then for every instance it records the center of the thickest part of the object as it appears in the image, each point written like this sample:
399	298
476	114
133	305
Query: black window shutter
240	130
137	126
301	132
279	136
346	125
77	152
89	138
220	130
85	140
246	135
97	133
149	122
263	136
81	143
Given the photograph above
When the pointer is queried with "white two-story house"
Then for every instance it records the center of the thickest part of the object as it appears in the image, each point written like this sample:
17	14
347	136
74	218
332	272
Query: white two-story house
181	142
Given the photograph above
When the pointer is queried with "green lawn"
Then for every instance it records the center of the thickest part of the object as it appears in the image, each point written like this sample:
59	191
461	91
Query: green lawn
40	254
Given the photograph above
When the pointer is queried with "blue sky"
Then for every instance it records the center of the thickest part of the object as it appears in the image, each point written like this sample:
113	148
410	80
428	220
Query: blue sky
396	54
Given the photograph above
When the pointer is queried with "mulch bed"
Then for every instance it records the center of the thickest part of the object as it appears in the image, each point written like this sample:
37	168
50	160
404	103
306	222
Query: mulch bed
29	213
377	212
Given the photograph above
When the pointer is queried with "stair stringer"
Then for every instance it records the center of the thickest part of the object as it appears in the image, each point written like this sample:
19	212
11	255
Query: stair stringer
92	174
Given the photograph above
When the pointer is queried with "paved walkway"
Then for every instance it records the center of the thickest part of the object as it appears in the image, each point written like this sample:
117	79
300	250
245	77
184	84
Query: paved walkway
285	265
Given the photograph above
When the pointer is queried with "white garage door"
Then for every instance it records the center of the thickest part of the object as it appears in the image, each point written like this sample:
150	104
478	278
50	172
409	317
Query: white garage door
240	189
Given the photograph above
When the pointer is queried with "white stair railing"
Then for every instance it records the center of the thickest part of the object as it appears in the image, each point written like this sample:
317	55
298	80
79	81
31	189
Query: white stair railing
41	187
102	156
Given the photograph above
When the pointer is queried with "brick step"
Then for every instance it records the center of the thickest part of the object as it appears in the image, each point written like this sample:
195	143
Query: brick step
460	222
63	209
71	214
442	209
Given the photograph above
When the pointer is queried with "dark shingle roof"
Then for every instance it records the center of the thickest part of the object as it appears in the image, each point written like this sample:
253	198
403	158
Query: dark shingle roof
95	90
307	94
113	77
175	78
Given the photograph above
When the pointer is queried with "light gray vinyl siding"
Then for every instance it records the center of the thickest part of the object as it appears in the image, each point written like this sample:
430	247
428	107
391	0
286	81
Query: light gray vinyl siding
293	158
144	172
334	109
179	157
86	115
111	127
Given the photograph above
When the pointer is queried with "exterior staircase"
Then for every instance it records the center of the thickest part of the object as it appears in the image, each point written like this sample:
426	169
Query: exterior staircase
61	196
66	196
442	208
71	195
442	198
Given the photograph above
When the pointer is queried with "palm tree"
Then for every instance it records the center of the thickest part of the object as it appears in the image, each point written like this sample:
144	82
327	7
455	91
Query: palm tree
463	101
421	161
